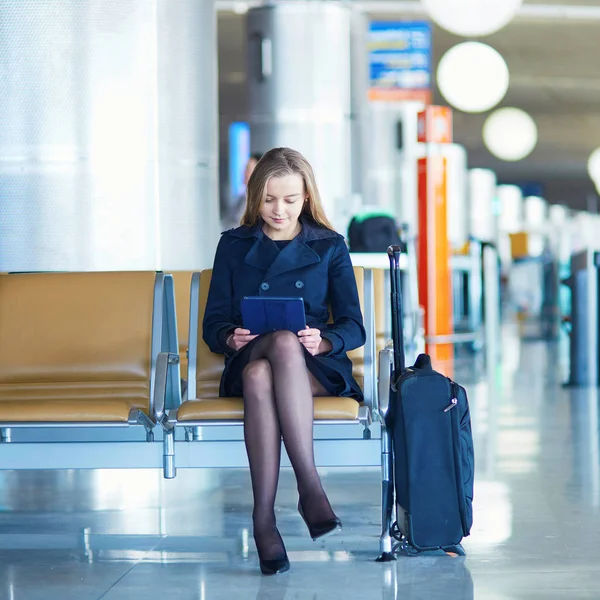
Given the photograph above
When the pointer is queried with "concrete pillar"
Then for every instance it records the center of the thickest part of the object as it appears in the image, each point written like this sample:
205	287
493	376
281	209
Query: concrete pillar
392	154
108	139
510	199
360	146
483	218
299	90
457	214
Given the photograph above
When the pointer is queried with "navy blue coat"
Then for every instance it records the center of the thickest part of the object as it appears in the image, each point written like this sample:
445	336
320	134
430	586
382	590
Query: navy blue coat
314	265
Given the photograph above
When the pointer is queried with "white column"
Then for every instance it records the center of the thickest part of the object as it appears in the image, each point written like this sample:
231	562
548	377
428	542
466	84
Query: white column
535	223
457	194
510	199
392	159
107	135
483	220
299	91
559	219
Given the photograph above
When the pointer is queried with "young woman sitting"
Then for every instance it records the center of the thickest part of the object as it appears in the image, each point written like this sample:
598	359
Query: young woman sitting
285	247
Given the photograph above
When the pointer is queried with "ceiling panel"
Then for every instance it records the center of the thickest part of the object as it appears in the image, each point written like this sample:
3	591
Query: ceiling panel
555	76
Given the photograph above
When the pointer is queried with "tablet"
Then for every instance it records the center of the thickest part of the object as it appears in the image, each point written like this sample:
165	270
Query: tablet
264	315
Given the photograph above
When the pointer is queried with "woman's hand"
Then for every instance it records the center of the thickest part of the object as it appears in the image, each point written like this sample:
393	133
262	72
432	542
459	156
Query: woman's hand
239	338
311	339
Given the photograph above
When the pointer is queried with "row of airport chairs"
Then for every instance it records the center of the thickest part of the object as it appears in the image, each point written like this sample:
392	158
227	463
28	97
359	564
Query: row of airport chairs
89	351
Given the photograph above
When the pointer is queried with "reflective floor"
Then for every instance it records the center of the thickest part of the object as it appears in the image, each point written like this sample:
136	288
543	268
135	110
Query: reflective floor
128	535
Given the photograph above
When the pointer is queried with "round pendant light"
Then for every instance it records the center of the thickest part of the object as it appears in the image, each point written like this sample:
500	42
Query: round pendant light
593	166
472	18
472	77
510	134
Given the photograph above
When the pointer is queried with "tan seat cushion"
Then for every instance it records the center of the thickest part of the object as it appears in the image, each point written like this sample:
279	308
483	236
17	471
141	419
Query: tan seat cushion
209	366
135	392
232	409
72	401
49	411
75	346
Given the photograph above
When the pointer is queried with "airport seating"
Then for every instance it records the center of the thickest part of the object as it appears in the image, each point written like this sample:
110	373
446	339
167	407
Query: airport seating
204	408
101	350
84	350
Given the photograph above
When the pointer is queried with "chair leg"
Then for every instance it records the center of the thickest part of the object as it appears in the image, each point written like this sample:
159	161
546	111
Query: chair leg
169	453
387	497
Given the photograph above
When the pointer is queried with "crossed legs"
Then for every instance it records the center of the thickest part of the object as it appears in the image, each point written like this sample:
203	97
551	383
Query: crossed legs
278	402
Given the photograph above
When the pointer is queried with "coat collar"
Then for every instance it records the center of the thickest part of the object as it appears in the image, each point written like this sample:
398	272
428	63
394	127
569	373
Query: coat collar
310	231
265	255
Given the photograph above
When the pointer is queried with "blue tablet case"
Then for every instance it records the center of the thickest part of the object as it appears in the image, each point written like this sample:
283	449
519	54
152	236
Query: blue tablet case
264	315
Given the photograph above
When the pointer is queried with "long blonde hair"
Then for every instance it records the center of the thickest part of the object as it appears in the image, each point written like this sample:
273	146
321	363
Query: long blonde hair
279	162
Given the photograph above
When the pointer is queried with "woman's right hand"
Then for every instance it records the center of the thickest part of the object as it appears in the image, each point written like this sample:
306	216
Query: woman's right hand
239	338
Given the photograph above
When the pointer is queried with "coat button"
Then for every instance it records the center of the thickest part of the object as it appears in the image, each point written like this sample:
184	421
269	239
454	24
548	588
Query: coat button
299	284
264	286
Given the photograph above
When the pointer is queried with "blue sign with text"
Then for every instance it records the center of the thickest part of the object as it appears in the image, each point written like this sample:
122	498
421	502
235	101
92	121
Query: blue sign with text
399	60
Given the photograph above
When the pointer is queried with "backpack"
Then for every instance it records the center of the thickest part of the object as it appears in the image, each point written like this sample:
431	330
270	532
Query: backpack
372	232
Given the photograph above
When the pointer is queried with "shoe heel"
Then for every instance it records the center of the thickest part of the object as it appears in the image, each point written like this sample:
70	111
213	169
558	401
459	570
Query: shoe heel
273	567
322	529
277	565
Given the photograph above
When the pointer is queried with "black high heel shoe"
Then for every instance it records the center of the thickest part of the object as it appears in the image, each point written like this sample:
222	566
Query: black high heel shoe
321	529
275	565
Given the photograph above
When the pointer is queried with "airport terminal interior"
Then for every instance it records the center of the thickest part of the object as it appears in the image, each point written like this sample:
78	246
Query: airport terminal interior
466	133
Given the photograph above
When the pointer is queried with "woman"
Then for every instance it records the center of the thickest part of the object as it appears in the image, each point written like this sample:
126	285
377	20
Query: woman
285	247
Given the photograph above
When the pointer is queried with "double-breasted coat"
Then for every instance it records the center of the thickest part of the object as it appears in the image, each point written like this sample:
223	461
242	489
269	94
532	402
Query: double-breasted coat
316	266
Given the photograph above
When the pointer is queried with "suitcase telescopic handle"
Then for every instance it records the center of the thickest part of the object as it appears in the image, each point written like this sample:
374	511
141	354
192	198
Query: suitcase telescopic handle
394	253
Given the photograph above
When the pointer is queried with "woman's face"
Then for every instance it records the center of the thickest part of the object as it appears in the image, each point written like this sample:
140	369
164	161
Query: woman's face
283	204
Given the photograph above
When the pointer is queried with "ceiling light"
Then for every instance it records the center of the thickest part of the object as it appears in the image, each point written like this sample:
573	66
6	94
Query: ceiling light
510	134
470	18
593	166
472	77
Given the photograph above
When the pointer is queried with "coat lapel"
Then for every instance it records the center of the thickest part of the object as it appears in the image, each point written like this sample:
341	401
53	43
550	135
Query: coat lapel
265	255
294	256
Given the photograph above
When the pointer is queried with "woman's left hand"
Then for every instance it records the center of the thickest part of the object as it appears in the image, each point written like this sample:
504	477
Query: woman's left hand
311	339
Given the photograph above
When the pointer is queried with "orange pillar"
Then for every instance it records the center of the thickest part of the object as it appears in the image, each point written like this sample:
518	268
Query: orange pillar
435	291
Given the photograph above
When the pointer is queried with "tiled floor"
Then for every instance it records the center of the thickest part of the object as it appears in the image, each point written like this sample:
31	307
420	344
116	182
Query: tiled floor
128	535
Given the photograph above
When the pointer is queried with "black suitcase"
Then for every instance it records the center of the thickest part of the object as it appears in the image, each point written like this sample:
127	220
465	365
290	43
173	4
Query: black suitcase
432	446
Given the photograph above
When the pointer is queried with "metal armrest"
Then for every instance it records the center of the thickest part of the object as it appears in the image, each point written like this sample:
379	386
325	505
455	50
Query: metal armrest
171	416
364	415
386	362
370	350
193	335
163	361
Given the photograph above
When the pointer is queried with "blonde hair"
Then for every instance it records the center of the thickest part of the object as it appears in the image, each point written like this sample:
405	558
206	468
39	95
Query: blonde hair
280	162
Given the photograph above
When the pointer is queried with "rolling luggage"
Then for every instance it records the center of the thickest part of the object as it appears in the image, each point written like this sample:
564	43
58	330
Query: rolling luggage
432	447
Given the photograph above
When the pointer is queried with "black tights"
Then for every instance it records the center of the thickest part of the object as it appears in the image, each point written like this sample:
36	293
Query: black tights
278	402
